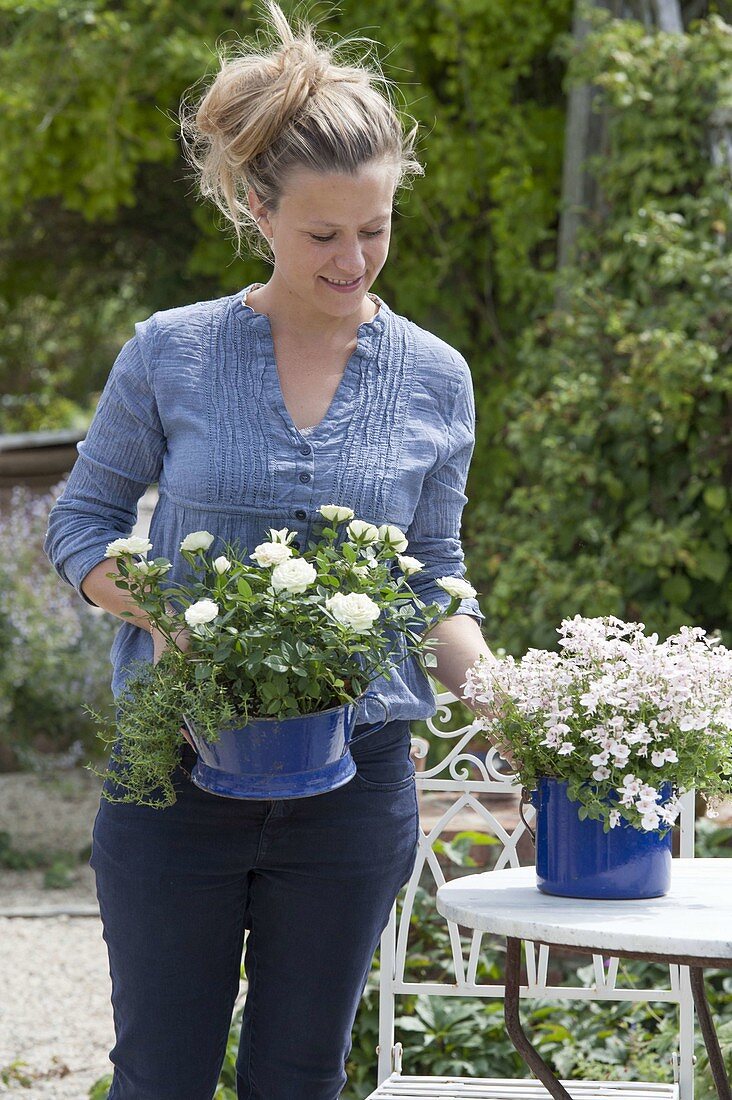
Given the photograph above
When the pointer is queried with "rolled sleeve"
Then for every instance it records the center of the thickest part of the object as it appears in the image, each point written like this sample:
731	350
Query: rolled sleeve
434	533
120	457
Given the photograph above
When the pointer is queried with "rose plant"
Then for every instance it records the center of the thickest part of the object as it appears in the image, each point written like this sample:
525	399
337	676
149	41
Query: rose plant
620	716
271	634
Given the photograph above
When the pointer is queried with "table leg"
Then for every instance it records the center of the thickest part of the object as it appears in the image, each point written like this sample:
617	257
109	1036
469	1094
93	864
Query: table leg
533	1059
711	1042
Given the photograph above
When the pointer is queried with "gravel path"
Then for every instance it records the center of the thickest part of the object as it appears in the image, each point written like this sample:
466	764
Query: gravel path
55	1013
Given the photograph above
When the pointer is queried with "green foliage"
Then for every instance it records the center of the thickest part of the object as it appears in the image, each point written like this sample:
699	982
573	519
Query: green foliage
711	840
619	425
100	214
100	1089
53	647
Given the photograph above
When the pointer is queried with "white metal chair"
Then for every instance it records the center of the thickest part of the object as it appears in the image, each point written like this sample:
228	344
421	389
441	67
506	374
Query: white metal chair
463	779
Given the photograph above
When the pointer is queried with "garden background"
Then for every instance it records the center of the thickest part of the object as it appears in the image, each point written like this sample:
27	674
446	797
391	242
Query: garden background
571	237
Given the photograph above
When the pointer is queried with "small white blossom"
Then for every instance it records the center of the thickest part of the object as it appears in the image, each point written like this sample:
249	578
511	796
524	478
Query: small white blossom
565	748
394	536
335	513
362	532
658	759
280	536
409	565
202	611
294	576
222	564
614	818
620	752
457	587
197	540
135	544
271	553
356	610
601	773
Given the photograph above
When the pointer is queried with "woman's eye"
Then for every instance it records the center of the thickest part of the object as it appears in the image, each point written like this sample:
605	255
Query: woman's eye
324	240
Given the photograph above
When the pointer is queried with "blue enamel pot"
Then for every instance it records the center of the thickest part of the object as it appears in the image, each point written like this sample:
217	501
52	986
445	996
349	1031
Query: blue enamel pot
272	758
576	859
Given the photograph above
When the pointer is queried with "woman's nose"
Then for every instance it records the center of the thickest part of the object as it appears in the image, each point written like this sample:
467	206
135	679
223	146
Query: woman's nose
349	258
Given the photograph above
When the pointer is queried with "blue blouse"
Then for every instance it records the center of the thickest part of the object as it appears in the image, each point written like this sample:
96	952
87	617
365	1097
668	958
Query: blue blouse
193	402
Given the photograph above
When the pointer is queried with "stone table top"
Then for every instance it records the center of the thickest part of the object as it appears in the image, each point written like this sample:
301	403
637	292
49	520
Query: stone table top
693	919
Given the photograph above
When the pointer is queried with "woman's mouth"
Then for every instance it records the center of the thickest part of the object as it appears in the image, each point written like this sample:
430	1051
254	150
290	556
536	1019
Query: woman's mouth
343	286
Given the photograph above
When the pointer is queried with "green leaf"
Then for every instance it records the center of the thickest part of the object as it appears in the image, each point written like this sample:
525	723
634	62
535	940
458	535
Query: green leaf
276	663
715	497
676	589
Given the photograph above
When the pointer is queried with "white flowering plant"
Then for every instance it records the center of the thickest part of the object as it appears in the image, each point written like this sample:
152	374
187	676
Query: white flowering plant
271	634
629	722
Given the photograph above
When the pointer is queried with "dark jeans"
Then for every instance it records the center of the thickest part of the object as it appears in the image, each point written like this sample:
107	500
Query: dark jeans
313	879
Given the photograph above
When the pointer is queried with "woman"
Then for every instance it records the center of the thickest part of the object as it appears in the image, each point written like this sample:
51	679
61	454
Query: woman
251	411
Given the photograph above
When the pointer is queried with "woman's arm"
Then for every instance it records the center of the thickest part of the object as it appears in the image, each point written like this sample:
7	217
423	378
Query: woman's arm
102	590
462	643
121	455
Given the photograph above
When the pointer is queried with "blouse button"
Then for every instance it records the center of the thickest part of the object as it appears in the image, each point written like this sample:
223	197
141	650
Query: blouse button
306	450
304	477
301	514
295	544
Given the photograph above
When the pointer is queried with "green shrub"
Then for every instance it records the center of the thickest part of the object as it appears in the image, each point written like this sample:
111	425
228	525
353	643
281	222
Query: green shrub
618	436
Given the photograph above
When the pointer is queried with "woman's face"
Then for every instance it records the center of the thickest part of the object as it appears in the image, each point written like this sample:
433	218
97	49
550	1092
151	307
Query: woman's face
330	236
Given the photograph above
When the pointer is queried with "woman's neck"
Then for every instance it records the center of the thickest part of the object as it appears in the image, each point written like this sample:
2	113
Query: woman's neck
289	314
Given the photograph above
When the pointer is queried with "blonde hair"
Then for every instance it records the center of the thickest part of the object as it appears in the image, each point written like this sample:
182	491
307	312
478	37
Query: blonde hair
291	106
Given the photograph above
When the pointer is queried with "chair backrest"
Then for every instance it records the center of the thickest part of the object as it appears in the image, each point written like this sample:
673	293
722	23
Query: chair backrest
467	790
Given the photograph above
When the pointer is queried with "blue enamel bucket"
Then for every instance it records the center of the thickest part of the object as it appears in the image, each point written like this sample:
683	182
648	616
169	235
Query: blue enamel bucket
272	758
576	859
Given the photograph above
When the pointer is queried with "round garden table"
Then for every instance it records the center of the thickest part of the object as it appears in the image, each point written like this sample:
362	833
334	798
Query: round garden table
690	926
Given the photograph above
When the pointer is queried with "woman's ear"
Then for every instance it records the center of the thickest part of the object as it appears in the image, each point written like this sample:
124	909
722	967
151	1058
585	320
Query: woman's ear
259	212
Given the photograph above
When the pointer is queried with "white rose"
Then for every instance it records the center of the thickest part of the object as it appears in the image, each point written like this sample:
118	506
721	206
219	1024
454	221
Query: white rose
135	544
360	570
396	538
409	565
222	564
293	576
361	531
335	513
279	536
356	610
197	540
271	553
456	586
202	611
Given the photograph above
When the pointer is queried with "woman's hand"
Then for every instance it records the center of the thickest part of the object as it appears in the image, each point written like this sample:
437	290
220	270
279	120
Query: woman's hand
160	642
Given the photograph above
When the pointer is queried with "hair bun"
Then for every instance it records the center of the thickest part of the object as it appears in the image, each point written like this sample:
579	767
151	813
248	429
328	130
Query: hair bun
270	111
